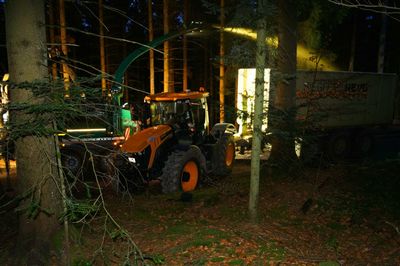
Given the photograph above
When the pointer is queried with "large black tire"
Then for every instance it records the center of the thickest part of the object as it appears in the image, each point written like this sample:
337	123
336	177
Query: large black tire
72	161
364	143
182	170
339	146
225	156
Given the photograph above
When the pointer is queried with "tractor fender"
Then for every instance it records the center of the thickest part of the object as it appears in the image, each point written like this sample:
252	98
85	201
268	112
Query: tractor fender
220	128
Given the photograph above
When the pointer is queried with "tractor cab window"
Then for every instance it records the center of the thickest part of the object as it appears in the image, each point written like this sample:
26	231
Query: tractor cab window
159	111
198	108
198	113
183	113
169	112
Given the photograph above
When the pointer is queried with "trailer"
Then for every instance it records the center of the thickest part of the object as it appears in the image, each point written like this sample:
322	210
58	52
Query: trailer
338	114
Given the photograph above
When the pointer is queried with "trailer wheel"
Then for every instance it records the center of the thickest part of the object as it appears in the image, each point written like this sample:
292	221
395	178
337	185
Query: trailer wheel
338	146
225	156
182	170
364	144
309	151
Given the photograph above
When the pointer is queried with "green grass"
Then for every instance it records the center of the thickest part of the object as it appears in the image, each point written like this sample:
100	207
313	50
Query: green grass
217	259
198	242
332	242
199	262
234	213
209	196
278	213
81	262
157	259
212	200
179	229
272	251
236	262
219	234
141	213
337	226
328	263
206	237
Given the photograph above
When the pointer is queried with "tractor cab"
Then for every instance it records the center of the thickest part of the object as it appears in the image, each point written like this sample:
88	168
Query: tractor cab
186	111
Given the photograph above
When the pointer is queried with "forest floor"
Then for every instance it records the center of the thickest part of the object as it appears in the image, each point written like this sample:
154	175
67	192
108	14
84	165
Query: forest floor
343	214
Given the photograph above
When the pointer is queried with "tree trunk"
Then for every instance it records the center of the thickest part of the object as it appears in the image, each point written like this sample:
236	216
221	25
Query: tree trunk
382	42
52	39
151	52
258	113
64	48
221	65
353	43
168	86
104	91
211	88
185	59
283	143
36	171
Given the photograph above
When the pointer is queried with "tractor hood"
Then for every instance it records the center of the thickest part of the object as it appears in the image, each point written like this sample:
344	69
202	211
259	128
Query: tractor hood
152	136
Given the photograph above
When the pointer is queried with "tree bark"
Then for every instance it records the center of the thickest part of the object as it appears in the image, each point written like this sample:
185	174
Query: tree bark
258	113
382	42
185	48
283	149
151	52
36	171
64	48
353	43
104	91
168	85
54	73
221	65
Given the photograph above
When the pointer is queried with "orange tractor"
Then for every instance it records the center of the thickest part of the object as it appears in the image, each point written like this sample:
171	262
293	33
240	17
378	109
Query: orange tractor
178	147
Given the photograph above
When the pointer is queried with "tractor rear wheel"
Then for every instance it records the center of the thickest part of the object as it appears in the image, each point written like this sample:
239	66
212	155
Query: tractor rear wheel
225	156
182	170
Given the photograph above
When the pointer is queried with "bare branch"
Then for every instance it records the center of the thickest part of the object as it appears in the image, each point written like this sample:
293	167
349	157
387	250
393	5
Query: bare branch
95	16
396	228
118	11
381	7
106	37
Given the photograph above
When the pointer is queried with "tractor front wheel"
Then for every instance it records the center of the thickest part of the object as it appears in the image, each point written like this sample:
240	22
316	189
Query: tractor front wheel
182	170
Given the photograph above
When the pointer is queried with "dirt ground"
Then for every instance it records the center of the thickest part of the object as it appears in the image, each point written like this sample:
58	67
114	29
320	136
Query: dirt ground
343	214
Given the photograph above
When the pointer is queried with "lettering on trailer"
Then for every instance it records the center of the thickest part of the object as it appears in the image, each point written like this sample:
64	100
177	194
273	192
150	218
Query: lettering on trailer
333	88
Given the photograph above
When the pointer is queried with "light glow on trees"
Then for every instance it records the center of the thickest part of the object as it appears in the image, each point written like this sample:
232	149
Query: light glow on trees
304	55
